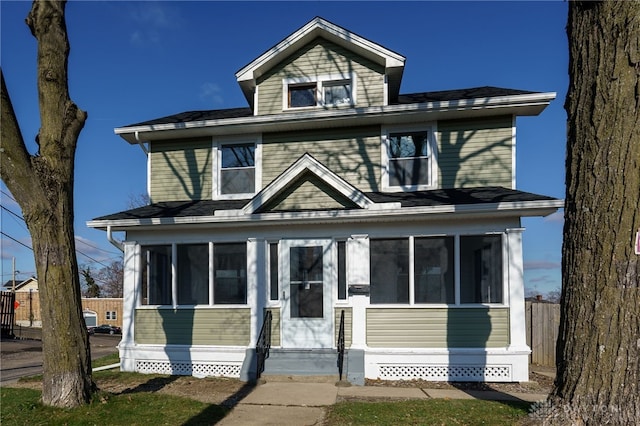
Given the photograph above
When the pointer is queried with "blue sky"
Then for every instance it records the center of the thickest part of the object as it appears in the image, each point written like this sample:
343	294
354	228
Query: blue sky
134	61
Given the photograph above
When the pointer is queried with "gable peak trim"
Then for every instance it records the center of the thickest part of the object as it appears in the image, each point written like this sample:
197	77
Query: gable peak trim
307	163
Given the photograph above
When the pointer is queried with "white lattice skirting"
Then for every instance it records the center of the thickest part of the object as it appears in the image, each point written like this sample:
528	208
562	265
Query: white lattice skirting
493	373
188	368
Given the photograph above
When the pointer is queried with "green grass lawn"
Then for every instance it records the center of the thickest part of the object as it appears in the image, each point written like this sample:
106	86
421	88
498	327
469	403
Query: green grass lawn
428	412
20	406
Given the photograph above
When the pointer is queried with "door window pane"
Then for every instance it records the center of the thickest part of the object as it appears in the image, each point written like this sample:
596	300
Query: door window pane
481	269
193	274
156	275
230	273
389	271
342	270
306	282
434	270
273	271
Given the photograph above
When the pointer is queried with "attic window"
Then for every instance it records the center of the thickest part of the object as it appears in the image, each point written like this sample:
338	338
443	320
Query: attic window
327	91
302	95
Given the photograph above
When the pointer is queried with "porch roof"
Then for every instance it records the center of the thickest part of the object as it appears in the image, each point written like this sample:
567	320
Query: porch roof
433	198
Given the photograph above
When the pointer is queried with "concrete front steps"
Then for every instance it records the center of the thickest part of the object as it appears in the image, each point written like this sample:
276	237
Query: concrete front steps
303	365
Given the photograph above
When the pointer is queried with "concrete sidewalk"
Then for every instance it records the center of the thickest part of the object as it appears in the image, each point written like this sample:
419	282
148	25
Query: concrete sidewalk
293	403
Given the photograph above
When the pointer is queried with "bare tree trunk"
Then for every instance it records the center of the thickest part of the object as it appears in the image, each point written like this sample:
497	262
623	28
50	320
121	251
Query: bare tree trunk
43	186
599	344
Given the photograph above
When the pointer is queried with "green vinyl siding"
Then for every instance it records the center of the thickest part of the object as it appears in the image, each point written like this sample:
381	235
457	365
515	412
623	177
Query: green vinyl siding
475	152
437	328
181	170
352	153
320	58
308	193
220	327
348	325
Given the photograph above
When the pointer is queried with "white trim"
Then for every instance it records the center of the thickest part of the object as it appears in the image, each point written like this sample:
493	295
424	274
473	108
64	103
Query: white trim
319	81
488	210
306	163
311	30
526	104
513	152
216	157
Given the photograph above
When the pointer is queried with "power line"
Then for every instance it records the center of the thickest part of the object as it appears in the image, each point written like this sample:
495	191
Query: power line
19	242
9	196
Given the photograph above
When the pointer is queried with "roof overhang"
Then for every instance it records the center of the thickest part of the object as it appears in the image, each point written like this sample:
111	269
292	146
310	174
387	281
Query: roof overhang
319	27
389	213
520	105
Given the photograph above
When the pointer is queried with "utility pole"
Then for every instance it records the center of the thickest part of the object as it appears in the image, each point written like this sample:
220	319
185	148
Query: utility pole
13	281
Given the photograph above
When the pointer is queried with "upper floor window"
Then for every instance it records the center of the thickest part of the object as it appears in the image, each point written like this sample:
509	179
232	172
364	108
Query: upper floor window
237	176
330	90
408	159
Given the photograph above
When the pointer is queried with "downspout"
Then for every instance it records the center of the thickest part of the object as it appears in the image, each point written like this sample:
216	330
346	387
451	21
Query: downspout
141	143
113	241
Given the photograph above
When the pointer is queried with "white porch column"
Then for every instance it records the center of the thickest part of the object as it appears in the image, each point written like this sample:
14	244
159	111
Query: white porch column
256	284
358	275
130	300
517	331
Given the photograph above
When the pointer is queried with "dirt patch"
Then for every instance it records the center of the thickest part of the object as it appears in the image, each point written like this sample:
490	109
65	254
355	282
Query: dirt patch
538	384
210	390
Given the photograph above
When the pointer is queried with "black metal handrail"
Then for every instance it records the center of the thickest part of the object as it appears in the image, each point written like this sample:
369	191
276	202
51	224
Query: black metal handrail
341	344
264	343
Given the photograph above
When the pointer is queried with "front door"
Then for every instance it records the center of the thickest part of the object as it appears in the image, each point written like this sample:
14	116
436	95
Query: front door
307	287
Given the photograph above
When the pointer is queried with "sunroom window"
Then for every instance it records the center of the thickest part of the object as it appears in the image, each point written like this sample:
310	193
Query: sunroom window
481	269
423	270
192	284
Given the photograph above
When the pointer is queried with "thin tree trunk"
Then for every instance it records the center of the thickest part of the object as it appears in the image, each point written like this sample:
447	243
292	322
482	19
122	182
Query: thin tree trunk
43	186
598	349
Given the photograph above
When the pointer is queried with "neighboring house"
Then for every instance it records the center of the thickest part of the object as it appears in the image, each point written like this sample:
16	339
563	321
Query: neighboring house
96	311
331	192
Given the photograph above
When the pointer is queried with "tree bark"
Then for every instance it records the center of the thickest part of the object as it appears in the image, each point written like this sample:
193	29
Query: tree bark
43	186
598	351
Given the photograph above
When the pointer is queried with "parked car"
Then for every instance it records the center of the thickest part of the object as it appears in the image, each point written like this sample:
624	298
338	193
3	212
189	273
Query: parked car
90	330
107	329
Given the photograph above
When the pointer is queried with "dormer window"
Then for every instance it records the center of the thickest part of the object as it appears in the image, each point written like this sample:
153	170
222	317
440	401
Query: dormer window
323	91
302	95
408	159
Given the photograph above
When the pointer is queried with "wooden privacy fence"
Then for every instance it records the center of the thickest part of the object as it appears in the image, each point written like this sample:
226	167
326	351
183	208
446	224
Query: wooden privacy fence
7	309
542	320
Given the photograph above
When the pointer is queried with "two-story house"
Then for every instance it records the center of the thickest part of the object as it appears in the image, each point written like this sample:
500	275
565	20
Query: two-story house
332	202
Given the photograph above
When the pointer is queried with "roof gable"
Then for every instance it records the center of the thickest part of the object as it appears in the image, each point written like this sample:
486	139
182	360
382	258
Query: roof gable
319	27
308	169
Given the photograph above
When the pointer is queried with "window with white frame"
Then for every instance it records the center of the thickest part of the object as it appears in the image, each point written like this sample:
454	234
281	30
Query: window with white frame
193	284
327	91
111	315
422	270
237	172
408	159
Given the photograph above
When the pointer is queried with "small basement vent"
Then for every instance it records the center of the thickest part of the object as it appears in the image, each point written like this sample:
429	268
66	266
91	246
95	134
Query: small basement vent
188	369
453	373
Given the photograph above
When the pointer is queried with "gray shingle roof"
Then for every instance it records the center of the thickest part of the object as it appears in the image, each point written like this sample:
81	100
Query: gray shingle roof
410	98
438	197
